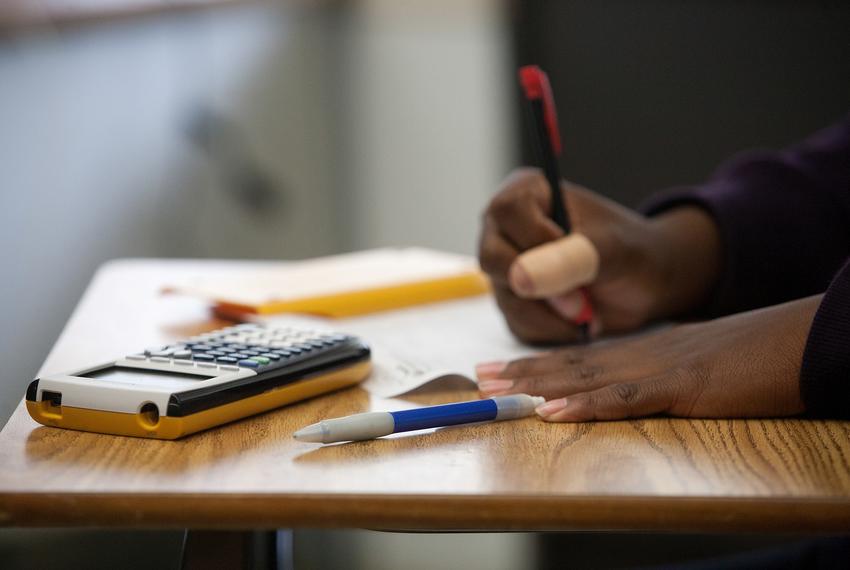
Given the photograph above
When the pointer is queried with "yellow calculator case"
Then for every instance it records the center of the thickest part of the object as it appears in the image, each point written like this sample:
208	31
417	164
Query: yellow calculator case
170	391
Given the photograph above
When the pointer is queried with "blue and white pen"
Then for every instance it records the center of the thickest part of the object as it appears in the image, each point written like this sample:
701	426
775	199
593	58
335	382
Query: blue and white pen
376	424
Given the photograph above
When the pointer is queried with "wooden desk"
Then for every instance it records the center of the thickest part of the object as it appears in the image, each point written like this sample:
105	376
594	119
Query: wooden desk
657	474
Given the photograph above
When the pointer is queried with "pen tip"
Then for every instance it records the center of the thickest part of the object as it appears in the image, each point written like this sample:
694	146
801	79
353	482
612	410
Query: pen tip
310	434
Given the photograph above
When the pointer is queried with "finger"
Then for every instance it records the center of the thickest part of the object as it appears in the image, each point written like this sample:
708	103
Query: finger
568	305
554	268
520	212
576	380
533	322
550	362
613	402
495	254
624	360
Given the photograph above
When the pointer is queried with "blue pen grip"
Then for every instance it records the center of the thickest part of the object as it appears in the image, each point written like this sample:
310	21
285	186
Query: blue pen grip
447	415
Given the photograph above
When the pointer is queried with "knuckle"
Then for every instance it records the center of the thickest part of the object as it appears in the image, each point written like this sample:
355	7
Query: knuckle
520	367
522	178
571	357
504	205
532	385
516	193
625	393
489	259
688	386
584	405
585	375
697	373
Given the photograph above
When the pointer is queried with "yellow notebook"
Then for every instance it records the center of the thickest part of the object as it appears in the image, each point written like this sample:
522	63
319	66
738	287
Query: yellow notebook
344	285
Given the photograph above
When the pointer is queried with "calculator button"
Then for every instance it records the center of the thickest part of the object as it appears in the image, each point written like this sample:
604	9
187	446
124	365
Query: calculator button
260	359
202	347
151	350
251	352
160	359
229	367
182	354
215	353
203	357
136	357
283	352
226	349
226	360
207	364
304	347
249	363
294	350
271	356
237	346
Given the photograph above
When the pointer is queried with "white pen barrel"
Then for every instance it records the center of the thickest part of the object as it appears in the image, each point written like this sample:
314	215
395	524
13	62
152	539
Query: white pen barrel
516	406
357	427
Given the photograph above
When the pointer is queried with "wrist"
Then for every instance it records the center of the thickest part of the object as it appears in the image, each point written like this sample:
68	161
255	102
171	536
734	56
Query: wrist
687	260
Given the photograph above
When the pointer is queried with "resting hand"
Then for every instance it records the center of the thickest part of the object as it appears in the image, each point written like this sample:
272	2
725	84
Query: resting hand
636	269
745	365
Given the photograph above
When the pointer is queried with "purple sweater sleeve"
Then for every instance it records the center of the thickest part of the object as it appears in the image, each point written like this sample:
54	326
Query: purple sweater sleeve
825	374
784	220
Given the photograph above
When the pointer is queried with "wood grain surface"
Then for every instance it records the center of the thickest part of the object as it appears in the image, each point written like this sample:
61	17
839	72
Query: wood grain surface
654	474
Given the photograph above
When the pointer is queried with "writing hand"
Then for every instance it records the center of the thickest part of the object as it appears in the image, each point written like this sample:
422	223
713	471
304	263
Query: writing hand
646	268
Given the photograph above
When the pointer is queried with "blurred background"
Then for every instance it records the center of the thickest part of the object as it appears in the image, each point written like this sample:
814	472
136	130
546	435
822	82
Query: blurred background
284	130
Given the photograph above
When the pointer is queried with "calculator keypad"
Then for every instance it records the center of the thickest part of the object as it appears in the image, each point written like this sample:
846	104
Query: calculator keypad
252	346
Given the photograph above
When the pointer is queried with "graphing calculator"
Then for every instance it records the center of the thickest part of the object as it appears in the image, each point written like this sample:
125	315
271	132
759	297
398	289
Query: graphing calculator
167	392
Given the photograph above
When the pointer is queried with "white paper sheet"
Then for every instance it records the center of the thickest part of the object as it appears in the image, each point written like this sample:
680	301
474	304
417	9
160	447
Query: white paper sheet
414	346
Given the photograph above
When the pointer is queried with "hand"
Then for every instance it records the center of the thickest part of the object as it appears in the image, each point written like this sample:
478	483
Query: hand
746	365
648	268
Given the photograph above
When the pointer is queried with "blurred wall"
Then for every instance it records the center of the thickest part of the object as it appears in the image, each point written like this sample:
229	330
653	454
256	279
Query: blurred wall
654	94
279	131
429	119
205	134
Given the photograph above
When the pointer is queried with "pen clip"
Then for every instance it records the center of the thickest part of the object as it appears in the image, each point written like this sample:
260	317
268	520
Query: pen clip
535	84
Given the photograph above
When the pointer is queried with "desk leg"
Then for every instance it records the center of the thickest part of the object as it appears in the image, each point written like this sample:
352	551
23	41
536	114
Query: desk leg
237	550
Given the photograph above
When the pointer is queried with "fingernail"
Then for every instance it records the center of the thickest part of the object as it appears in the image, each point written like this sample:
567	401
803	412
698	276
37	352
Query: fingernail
551	407
494	386
568	306
520	281
487	370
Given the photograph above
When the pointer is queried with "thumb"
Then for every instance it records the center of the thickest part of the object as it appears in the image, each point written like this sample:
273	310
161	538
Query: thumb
554	267
614	402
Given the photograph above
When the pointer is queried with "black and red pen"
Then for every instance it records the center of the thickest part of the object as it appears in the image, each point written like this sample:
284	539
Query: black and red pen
547	141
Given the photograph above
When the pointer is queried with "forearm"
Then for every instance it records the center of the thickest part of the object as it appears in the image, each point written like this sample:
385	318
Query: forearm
689	257
783	220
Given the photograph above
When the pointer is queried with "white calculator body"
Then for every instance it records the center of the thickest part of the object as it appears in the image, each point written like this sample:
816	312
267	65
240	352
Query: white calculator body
170	391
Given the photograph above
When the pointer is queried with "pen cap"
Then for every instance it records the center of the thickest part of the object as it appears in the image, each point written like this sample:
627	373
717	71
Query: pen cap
516	406
535	84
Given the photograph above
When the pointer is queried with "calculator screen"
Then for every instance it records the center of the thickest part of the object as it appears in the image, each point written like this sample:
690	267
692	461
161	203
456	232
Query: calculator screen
142	377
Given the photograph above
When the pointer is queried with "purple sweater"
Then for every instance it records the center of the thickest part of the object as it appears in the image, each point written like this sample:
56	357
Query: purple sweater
784	220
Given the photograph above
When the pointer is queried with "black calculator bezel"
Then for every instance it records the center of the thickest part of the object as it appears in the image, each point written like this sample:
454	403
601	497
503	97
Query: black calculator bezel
301	367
